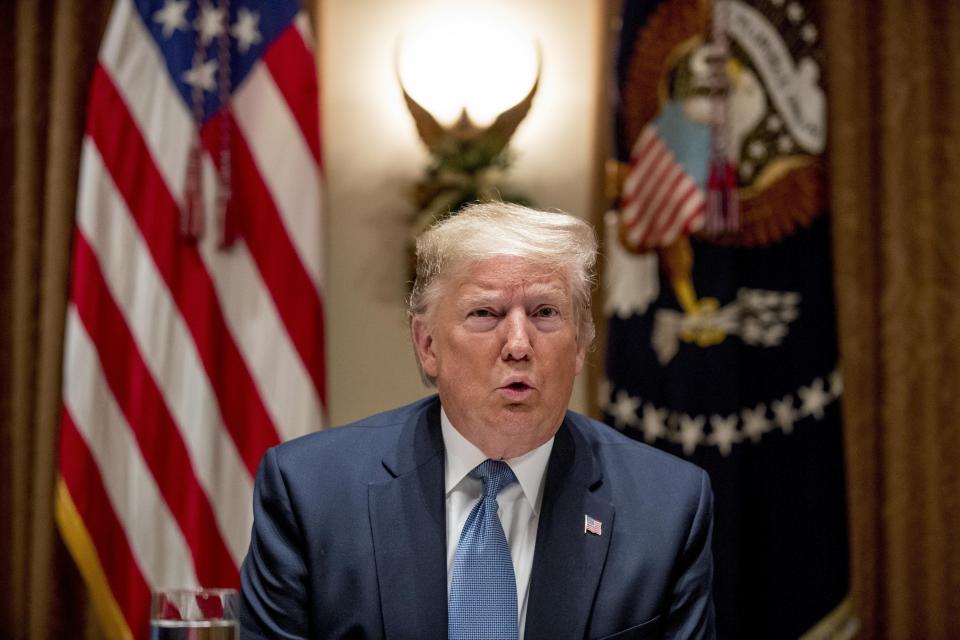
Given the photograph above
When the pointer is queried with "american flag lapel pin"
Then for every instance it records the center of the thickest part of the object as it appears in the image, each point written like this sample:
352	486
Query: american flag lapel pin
592	525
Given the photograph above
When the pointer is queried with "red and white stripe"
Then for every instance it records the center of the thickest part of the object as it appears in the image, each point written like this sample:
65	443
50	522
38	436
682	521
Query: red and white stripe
184	362
660	200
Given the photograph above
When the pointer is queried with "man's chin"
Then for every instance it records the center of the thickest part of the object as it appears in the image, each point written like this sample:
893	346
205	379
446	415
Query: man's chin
509	411
522	422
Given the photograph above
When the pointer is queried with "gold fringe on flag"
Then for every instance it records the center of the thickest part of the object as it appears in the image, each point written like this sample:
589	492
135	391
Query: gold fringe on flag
78	542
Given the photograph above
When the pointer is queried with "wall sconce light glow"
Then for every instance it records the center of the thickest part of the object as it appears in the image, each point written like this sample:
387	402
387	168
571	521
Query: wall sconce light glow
466	58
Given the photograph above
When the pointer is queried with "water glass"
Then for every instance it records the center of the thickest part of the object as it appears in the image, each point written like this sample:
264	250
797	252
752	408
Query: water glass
194	614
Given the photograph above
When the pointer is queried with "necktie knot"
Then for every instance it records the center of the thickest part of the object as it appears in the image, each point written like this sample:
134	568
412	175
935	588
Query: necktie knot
495	474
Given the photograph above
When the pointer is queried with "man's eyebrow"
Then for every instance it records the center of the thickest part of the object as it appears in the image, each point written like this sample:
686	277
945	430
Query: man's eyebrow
480	294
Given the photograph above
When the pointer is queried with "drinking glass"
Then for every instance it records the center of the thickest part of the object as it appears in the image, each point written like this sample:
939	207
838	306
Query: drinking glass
194	614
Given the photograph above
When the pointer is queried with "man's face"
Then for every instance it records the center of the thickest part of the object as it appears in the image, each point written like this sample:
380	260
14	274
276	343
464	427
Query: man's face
501	340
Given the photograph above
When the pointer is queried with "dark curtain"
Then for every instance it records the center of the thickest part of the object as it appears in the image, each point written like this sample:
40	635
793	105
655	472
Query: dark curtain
48	58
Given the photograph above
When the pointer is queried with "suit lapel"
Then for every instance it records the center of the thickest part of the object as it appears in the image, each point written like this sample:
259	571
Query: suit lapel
567	562
407	519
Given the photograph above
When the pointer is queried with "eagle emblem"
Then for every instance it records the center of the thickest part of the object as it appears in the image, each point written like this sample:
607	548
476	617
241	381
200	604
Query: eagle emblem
724	103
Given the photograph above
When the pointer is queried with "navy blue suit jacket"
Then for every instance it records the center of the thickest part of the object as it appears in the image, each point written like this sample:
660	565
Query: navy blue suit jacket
349	537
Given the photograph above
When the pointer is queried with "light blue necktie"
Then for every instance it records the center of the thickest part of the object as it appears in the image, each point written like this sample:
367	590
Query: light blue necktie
483	590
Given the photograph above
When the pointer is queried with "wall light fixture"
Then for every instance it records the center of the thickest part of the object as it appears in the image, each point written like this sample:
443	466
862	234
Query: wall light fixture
468	75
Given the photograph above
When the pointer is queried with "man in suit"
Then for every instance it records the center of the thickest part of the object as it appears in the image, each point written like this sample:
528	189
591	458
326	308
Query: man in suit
488	510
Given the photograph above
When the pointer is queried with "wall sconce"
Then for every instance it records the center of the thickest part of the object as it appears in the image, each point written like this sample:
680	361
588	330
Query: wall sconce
468	78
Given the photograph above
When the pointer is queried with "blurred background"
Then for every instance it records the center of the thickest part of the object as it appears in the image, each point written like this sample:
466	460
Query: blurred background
205	227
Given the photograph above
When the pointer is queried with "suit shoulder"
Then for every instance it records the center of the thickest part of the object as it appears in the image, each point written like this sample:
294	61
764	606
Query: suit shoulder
616	450
371	434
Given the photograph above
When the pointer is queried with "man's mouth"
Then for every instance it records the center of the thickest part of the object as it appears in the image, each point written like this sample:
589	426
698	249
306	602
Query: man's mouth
516	391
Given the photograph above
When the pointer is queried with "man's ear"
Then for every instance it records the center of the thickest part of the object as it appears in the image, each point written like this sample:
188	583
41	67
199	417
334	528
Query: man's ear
423	345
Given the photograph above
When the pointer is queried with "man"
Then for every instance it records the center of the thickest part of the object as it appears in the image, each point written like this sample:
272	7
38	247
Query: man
489	510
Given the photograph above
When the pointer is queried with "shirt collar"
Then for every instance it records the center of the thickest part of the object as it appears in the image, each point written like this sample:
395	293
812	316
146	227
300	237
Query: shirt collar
462	456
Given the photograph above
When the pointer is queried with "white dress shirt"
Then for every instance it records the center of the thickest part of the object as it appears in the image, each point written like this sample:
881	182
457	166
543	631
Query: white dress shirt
518	504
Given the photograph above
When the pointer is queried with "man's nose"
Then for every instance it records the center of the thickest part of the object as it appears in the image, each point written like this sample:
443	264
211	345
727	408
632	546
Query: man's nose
516	344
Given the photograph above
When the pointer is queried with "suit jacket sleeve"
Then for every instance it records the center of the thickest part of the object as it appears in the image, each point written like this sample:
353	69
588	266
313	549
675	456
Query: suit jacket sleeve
691	612
273	576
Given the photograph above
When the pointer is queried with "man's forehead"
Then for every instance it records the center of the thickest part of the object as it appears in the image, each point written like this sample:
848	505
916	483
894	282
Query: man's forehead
508	273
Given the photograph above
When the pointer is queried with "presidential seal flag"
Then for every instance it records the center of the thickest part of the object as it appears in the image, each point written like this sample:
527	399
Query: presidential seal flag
719	298
194	335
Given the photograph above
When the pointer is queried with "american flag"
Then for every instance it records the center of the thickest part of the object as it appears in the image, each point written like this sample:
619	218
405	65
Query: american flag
592	525
663	195
186	357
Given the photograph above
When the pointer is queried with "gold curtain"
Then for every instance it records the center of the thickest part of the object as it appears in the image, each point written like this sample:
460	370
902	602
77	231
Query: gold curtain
48	60
894	83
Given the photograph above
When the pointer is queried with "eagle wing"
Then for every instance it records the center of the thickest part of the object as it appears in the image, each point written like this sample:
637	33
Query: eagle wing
507	122
431	132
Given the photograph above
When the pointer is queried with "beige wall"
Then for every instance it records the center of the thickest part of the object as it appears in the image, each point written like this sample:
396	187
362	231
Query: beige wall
372	157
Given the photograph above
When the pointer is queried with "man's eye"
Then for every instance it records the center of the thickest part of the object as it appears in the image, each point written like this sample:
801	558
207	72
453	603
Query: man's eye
547	312
481	313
